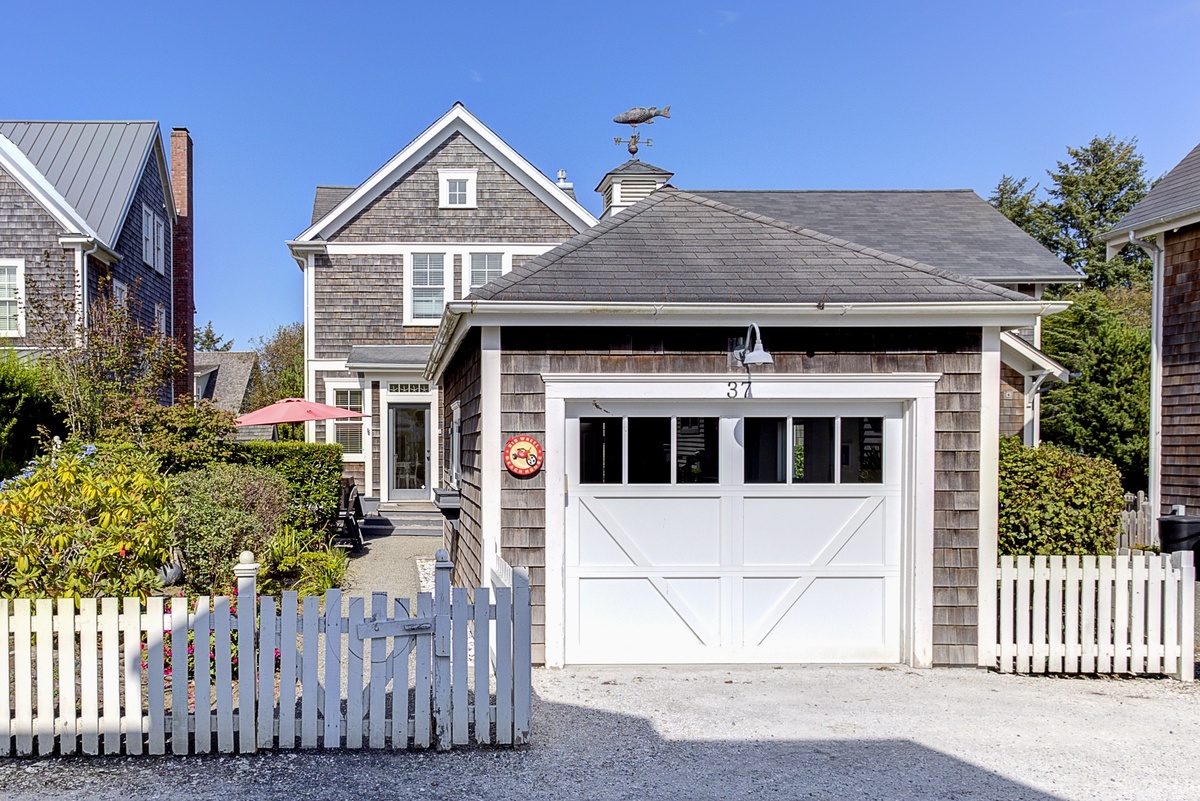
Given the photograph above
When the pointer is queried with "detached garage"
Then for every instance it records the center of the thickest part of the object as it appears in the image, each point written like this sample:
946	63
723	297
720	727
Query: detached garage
829	498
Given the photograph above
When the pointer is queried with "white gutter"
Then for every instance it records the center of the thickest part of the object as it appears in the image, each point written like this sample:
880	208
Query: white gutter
1155	252
460	316
301	250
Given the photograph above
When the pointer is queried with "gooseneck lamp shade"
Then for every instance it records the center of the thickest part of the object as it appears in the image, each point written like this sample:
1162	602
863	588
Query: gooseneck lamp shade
756	354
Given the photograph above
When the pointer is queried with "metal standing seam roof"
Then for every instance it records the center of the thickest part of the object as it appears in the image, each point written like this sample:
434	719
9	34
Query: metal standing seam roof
1177	194
95	166
954	229
679	247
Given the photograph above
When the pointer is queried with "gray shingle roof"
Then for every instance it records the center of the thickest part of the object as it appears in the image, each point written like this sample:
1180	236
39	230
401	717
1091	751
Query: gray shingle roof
388	355
1177	194
95	166
636	167
327	197
678	247
229	384
953	229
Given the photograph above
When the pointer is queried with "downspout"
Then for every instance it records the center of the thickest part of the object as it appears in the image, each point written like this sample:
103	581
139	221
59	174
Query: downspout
1155	252
82	251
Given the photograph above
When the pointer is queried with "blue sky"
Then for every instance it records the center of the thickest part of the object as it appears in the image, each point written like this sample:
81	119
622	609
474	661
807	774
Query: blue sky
799	95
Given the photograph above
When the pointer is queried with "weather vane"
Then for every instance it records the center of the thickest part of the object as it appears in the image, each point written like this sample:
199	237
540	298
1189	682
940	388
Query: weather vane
635	117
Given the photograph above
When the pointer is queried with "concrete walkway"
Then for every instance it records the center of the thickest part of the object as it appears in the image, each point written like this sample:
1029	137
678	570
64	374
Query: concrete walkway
389	564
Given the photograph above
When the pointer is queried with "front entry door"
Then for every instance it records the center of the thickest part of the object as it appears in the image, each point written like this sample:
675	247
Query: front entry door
409	425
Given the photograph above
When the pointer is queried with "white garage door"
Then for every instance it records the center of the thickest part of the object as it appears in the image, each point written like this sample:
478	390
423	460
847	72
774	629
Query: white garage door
733	533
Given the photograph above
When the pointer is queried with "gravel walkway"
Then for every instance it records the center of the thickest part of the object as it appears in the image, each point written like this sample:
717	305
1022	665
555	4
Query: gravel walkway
709	733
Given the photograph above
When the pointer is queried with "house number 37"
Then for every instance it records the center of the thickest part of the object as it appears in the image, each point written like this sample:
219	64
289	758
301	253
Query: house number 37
738	389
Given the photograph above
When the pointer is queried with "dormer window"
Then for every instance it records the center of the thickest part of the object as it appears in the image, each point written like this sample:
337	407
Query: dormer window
456	189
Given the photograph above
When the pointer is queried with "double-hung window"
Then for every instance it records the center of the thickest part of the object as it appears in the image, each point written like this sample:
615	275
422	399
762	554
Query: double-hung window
485	267
12	286
154	240
349	433
160	319
148	235
428	290
120	291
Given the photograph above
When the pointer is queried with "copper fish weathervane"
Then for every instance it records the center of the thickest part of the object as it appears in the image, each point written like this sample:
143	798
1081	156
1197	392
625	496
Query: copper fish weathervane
640	114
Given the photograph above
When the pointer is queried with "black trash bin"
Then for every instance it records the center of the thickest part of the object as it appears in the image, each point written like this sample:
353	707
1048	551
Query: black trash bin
1180	533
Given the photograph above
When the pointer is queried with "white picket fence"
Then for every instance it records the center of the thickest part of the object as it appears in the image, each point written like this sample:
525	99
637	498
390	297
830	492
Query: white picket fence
1137	524
114	676
1130	613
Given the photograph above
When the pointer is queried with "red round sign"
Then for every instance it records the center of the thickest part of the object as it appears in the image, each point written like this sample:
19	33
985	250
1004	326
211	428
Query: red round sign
523	455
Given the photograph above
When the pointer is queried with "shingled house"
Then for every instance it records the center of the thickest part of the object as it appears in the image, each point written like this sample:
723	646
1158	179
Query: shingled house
1166	223
835	502
91	204
456	208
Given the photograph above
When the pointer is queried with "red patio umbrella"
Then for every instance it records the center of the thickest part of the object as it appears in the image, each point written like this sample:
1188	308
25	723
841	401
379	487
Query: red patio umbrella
294	410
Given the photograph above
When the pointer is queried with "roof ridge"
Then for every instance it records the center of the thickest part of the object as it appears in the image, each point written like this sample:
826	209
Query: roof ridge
832	191
845	243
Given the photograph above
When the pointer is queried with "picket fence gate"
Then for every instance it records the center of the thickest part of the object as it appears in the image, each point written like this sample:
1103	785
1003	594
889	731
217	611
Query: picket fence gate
132	676
1130	613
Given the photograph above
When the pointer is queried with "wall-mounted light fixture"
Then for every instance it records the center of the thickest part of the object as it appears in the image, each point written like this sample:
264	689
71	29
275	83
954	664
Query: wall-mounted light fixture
753	352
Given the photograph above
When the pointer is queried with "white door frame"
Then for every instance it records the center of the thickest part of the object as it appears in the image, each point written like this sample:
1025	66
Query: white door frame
915	390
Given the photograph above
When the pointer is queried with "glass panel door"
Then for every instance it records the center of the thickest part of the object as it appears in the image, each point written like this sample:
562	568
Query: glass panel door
410	451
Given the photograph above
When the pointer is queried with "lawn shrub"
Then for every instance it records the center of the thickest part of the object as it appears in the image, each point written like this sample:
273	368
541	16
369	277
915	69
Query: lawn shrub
81	523
312	471
1054	502
224	510
296	560
25	406
184	436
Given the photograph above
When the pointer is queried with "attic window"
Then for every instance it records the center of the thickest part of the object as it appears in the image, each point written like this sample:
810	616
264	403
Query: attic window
456	189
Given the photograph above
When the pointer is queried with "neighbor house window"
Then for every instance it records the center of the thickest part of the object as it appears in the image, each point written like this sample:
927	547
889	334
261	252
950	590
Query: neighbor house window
160	318
154	239
428	285
160	245
12	286
456	455
349	433
147	235
120	291
485	267
456	189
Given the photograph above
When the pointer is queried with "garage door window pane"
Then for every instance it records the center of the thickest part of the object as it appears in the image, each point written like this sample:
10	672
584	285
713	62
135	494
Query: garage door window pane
696	450
600	450
766	450
812	450
649	450
862	450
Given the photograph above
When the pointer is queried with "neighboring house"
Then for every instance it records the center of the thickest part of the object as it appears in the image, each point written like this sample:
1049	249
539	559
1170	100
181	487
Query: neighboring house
838	505
226	378
1169	216
454	209
91	204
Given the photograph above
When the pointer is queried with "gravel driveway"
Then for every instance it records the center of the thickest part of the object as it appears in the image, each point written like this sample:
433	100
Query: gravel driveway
708	733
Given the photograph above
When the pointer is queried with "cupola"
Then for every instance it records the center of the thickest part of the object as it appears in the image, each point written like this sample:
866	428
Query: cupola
625	185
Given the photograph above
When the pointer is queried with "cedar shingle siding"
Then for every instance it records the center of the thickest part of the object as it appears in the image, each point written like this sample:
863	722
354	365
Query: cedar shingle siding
32	234
1012	402
1181	370
955	353
361	302
462	383
149	285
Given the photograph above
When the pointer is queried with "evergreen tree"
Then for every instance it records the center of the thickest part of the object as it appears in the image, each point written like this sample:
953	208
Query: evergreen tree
208	340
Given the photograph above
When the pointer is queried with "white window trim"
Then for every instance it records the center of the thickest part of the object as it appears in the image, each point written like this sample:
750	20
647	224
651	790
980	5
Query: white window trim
469	271
447	175
160	320
147	235
120	292
160	245
155	232
332	385
455	444
447	286
20	265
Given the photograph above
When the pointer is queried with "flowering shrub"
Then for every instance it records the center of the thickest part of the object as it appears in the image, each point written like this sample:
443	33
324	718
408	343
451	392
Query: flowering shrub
77	523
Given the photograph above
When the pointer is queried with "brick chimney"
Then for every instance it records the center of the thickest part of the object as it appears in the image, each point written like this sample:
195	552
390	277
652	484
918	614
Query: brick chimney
183	256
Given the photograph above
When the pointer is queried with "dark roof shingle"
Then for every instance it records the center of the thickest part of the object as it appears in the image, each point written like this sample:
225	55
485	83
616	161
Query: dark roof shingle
327	197
1177	194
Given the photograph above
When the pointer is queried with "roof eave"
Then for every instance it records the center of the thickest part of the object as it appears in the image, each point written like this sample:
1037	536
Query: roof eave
1150	227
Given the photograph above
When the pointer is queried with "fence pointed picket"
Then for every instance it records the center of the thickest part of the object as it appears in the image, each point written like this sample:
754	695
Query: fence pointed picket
333	669
1007	647
1170	616
1054	615
1024	636
67	715
1154	597
1041	648
1104	616
310	689
1087	629
179	676
441	651
155	690
223	659
1137	627
423	679
460	613
246	573
1183	561
202	626
1072	592
354	675
1123	568
110	649
43	632
89	676
23	675
402	646
377	705
6	718
504	666
131	634
266	673
522	658
288	651
483	706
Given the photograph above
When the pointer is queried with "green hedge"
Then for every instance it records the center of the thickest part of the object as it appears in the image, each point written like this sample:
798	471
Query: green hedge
312	471
1055	502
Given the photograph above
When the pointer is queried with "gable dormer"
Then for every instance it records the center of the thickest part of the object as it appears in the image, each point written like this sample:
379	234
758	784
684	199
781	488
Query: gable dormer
632	181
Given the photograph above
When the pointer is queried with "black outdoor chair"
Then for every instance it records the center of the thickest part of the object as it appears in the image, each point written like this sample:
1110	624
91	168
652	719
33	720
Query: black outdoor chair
350	512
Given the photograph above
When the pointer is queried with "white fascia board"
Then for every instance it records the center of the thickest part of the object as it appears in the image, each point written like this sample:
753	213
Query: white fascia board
1118	238
460	316
1028	360
301	250
1009	281
456	120
22	169
401	248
